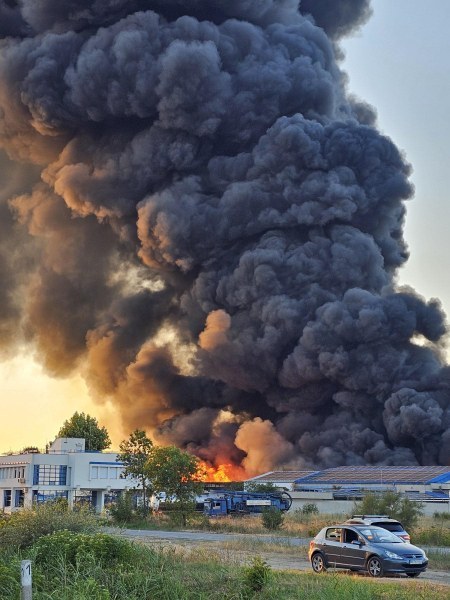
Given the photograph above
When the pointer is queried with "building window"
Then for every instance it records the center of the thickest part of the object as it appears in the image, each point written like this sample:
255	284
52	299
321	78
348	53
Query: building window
39	497
50	475
103	472
94	472
19	498
7	498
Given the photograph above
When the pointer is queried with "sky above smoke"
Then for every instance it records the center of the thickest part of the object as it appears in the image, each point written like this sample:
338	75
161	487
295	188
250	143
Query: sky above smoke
197	217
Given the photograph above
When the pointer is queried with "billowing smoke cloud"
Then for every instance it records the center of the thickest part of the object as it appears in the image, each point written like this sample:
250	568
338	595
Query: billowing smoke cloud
210	229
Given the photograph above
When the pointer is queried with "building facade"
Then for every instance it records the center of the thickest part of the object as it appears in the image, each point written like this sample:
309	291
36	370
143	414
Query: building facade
337	489
66	471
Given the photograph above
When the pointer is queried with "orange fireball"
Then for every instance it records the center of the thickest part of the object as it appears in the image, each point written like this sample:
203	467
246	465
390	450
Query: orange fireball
225	472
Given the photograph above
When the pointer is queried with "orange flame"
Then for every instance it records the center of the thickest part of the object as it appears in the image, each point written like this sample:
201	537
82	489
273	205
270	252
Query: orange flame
221	473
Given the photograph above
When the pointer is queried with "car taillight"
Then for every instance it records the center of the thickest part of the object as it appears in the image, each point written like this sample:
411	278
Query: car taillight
407	538
311	544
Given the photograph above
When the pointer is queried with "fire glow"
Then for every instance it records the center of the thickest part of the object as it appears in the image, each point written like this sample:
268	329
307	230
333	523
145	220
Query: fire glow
223	473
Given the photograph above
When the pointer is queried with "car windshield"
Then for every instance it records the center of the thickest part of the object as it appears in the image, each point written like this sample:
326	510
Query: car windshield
377	535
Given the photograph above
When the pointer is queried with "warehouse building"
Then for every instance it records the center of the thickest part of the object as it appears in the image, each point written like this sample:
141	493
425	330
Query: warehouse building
67	471
336	490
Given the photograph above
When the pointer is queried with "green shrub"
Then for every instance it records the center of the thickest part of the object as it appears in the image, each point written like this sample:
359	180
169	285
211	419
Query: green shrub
272	518
257	575
74	547
393	504
310	509
122	510
23	528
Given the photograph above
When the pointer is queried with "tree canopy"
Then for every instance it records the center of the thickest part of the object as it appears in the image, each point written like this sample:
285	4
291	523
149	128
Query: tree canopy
393	504
134	454
174	471
84	426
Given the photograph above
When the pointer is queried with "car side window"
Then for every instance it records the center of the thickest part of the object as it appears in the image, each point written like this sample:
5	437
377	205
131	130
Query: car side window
333	534
350	536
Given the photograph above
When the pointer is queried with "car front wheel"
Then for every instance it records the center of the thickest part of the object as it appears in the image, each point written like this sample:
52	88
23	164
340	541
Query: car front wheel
375	567
318	563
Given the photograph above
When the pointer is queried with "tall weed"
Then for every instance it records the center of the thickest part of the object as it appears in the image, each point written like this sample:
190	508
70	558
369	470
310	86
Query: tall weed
24	527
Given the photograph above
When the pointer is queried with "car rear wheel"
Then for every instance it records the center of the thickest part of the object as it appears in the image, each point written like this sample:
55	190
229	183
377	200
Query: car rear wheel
375	567
318	563
413	574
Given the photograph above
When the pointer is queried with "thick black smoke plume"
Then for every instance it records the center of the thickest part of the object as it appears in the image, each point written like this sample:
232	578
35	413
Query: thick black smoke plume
197	217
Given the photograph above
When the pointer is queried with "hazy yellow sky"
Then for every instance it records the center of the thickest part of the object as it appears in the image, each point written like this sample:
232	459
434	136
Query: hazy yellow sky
34	406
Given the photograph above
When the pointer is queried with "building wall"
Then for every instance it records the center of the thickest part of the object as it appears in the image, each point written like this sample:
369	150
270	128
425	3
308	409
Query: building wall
64	470
346	507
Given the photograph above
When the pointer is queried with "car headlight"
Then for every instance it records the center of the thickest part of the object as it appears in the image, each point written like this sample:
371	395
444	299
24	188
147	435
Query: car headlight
392	554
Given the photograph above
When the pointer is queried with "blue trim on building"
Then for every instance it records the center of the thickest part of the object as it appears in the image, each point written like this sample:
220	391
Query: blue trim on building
444	478
111	464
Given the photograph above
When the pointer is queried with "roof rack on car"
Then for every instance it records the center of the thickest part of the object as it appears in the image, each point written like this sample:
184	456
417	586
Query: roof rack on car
370	517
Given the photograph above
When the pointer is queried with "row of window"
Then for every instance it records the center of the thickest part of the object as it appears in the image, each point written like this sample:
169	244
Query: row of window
39	497
12	472
19	497
105	472
57	474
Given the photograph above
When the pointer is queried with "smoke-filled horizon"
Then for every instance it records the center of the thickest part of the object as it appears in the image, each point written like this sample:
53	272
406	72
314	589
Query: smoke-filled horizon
200	219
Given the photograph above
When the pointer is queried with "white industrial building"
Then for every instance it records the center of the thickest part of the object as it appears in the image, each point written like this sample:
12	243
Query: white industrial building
67	470
335	490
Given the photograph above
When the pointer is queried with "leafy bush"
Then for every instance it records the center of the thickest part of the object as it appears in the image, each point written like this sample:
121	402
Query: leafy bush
272	518
73	547
122	510
257	575
261	488
310	509
393	504
23	528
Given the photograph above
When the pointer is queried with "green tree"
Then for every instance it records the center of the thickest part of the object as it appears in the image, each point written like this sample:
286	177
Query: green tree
262	488
392	504
134	454
175	472
84	426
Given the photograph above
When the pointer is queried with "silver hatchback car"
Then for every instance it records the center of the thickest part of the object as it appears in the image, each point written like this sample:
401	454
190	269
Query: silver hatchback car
365	548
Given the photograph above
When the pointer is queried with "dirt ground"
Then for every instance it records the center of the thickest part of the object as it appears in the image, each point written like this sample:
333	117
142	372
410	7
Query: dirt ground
291	559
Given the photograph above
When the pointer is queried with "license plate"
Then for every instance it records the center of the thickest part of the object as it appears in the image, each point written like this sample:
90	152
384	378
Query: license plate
415	562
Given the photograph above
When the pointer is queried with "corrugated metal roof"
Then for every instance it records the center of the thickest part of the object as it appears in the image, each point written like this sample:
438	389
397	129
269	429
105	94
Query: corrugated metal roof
371	474
280	476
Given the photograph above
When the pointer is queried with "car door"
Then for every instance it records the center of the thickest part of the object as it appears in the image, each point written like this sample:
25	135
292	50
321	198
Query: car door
332	547
353	552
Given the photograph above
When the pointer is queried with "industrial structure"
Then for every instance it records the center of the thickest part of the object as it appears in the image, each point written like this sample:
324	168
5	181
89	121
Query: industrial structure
221	503
67	471
336	490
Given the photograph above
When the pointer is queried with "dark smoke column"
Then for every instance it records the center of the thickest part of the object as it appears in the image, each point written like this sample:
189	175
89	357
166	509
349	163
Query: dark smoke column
211	230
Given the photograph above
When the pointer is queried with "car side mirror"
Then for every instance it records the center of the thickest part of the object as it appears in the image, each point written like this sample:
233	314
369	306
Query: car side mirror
358	543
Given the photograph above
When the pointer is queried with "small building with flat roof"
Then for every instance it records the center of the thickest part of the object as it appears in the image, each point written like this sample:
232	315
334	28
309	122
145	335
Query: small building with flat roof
67	471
